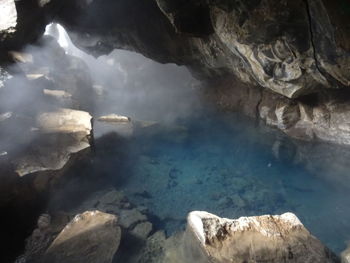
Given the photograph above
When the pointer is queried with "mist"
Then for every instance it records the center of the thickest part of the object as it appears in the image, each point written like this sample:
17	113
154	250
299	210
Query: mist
53	73
130	84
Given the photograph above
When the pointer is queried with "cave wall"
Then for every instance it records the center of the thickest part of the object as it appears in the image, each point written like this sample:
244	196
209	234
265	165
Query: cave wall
287	60
290	47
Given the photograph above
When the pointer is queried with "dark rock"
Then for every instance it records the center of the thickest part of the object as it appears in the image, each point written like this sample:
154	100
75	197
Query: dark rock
39	241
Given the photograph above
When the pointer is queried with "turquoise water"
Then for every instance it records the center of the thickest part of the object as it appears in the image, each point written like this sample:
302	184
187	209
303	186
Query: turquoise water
232	167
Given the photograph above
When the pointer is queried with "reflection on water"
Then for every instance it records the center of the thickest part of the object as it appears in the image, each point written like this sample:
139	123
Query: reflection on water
230	167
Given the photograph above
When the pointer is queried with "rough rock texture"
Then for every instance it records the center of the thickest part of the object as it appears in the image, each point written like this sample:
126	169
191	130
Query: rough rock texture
290	48
281	238
90	237
114	118
322	117
211	239
41	122
133	222
62	133
345	256
23	22
39	241
8	19
41	133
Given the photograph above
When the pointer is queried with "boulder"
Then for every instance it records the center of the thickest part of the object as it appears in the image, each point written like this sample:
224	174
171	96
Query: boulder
90	237
114	118
345	256
278	238
60	134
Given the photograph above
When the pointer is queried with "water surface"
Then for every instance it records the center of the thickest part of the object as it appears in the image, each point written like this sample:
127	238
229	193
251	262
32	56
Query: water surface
232	167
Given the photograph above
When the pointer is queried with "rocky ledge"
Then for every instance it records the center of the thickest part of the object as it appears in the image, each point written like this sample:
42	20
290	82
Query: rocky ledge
279	238
106	227
62	133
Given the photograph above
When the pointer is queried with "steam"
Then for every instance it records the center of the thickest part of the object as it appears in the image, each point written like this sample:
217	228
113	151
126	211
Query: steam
54	73
130	84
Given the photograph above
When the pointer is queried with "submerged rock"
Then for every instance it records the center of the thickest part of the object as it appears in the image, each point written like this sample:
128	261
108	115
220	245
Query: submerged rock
280	238
142	230
90	237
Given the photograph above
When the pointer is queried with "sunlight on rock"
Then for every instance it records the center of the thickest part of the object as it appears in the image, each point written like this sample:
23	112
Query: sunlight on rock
8	16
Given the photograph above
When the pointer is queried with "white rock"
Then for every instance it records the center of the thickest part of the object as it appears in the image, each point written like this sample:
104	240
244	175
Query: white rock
345	256
114	118
8	15
279	238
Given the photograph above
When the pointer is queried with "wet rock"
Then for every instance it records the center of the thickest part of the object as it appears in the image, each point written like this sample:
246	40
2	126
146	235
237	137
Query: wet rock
153	251
281	238
142	230
109	201
144	194
90	237
129	218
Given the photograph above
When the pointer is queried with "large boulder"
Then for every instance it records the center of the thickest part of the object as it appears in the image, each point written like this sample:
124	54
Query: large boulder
279	238
60	134
91	237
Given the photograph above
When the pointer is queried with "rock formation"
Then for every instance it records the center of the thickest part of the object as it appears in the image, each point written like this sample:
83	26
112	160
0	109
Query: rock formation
285	63
68	127
39	241
280	238
345	256
298	50
90	237
114	118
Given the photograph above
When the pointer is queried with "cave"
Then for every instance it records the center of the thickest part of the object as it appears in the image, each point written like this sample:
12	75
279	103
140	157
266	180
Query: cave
160	131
